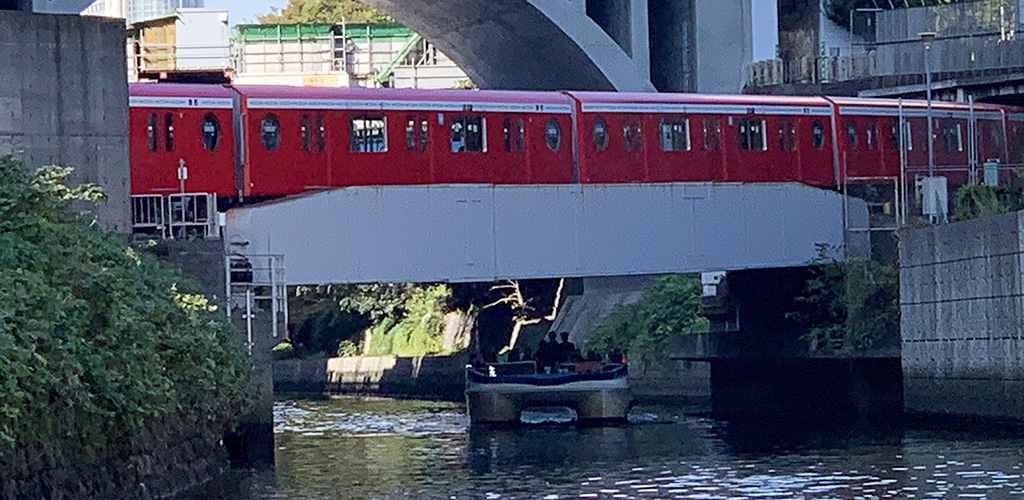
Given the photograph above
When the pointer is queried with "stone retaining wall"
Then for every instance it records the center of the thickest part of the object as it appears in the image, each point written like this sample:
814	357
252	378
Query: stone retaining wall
962	303
170	466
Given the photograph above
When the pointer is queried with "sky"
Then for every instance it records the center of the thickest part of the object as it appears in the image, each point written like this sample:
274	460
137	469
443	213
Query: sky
244	11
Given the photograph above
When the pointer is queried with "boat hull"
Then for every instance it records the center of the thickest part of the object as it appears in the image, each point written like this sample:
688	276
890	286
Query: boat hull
592	400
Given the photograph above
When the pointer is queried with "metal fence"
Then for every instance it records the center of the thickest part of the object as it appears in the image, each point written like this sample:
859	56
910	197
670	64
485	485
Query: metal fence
184	215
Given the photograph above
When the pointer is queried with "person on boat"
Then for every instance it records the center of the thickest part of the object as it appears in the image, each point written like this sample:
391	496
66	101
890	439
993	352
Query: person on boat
567	351
547	353
616	356
527	355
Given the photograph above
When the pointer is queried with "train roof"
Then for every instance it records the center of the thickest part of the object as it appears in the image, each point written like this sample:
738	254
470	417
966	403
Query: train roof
696	99
179	95
269	97
873	102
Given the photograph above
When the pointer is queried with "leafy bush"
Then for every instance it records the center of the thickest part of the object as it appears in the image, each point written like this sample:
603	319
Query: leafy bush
347	348
97	341
669	307
850	304
283	350
419	330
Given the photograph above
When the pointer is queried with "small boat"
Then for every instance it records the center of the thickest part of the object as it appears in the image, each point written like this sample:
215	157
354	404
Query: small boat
596	391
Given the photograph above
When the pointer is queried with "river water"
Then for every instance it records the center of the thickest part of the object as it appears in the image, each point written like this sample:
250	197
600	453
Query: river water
378	448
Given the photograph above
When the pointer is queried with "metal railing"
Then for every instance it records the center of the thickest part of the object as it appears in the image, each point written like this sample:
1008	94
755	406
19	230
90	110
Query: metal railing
257	283
184	215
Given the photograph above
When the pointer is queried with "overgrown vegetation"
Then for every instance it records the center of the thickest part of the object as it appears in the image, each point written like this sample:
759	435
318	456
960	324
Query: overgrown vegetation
839	10
324	11
849	305
98	341
980	200
670	306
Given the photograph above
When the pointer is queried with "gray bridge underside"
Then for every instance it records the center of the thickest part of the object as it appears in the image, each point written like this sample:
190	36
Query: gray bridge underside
487	233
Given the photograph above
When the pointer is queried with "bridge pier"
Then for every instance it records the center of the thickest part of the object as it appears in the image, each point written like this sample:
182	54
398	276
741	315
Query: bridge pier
761	367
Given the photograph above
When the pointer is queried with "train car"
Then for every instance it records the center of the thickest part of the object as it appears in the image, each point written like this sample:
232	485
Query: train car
175	125
628	137
869	140
300	139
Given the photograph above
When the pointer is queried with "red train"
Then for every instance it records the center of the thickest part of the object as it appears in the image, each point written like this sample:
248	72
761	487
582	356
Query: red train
247	142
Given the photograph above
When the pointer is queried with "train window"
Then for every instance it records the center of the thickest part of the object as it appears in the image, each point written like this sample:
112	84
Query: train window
515	134
894	138
851	134
151	132
270	132
169	131
952	135
871	134
751	134
817	134
468	134
674	133
712	134
632	134
305	133
995	135
424	134
367	134
416	134
210	132
600	133
321	133
410	134
553	134
787	136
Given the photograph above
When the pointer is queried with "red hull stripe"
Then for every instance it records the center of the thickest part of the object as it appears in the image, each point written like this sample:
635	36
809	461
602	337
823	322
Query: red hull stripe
179	102
917	112
385	105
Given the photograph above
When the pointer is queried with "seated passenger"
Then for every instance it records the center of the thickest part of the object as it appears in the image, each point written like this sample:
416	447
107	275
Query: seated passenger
567	352
547	353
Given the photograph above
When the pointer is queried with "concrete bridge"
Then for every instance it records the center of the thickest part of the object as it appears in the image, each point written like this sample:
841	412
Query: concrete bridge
626	45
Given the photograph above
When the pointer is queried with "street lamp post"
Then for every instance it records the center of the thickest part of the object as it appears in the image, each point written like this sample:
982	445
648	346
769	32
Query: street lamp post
927	37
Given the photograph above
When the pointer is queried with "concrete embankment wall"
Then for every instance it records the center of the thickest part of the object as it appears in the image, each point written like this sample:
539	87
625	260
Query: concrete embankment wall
423	376
443	377
64	101
962	335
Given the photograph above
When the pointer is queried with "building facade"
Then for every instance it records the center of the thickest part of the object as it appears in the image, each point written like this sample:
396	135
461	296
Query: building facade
139	10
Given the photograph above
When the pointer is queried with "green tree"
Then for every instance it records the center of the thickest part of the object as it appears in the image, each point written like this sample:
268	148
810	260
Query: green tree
324	11
98	341
851	304
670	306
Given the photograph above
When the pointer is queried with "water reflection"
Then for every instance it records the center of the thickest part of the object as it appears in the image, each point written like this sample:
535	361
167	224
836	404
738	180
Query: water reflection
380	448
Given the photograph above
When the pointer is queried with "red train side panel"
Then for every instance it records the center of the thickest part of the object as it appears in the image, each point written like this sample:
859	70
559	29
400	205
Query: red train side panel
301	139
171	123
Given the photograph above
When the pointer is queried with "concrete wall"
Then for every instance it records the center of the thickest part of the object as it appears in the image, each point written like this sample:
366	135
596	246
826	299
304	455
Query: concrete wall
724	44
426	376
961	301
64	100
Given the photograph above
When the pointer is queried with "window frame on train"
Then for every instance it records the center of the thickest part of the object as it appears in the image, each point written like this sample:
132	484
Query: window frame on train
746	134
674	133
952	135
270	132
461	125
600	133
553	134
417	134
632	134
712	126
818	135
367	133
210	132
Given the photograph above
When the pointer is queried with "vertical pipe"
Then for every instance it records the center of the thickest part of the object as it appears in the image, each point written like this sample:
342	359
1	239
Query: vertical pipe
928	96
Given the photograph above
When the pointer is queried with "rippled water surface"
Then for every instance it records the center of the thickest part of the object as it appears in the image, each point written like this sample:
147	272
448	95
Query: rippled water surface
376	448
